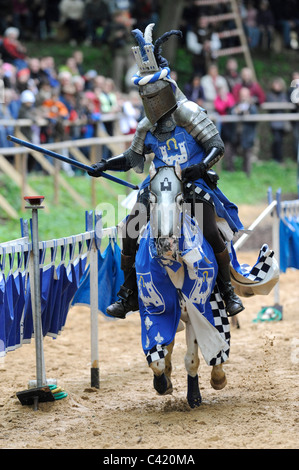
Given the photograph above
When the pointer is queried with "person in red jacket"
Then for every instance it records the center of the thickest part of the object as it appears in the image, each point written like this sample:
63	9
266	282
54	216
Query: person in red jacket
247	81
12	50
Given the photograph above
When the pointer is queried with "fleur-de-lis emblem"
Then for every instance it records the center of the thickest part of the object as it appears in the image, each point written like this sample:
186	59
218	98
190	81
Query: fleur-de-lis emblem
159	338
148	323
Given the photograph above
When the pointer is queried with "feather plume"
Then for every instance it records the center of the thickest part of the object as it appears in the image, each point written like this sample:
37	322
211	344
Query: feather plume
140	41
158	46
148	33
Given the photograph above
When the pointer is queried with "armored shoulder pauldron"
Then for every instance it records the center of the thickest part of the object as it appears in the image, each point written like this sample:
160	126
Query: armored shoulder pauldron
195	120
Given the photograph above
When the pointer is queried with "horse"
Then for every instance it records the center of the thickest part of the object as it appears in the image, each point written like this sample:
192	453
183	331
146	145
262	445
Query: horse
176	275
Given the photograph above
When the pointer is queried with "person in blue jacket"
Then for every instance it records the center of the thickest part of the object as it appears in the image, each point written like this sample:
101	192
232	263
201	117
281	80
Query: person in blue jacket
175	130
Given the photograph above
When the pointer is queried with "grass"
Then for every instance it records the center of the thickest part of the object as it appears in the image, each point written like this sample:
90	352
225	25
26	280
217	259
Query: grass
243	190
68	217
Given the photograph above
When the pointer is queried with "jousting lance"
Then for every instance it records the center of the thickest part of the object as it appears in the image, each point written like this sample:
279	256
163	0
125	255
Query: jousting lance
71	161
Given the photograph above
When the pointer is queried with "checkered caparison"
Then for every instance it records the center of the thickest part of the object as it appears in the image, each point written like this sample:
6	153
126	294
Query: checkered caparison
221	324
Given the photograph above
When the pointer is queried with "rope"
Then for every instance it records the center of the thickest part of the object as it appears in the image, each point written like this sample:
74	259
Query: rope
58	392
151	78
268	314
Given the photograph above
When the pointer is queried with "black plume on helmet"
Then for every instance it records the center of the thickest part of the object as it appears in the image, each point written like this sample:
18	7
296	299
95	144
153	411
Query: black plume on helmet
158	46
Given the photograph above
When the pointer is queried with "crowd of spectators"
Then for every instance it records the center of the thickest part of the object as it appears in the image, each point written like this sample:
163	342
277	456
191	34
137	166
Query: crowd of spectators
69	102
65	102
236	93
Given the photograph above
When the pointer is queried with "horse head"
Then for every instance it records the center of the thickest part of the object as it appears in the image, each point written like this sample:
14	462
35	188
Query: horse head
166	198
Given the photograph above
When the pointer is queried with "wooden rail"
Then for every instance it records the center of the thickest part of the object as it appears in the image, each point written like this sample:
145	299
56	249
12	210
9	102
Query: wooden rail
18	171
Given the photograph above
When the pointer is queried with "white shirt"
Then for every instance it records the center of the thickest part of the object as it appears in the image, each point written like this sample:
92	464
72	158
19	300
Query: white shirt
211	87
196	47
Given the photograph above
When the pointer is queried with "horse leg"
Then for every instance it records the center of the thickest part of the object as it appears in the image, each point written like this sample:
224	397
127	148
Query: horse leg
218	378
168	367
162	372
192	364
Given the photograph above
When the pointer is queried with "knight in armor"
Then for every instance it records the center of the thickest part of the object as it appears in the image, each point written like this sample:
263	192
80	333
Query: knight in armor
175	130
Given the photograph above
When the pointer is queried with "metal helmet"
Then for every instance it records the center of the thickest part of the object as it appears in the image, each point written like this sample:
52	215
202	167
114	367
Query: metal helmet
158	99
156	88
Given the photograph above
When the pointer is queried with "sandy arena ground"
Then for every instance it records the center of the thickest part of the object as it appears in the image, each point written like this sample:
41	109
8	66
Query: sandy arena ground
258	409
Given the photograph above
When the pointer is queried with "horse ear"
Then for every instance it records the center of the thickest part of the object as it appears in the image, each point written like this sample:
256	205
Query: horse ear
178	170
152	170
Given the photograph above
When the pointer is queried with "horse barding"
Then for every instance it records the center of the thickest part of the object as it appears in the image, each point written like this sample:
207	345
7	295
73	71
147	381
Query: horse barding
177	287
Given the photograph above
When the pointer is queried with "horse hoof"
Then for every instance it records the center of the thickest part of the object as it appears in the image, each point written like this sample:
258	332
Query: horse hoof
218	385
162	384
218	380
193	395
194	402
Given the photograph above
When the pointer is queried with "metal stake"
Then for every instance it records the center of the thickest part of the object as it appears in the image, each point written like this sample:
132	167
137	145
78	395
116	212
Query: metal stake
42	392
35	204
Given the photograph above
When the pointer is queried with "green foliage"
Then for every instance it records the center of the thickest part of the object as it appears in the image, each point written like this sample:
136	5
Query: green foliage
253	190
96	58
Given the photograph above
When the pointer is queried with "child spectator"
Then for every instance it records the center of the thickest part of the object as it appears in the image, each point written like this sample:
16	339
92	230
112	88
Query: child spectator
55	112
224	101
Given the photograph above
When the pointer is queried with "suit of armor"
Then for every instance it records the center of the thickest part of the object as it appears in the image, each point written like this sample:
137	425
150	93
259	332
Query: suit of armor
172	119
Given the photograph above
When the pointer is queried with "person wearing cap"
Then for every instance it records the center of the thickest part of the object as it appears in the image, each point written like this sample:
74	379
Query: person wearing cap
89	78
23	76
176	130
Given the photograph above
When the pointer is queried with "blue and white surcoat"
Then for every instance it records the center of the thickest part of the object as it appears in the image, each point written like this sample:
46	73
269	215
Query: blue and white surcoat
181	147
